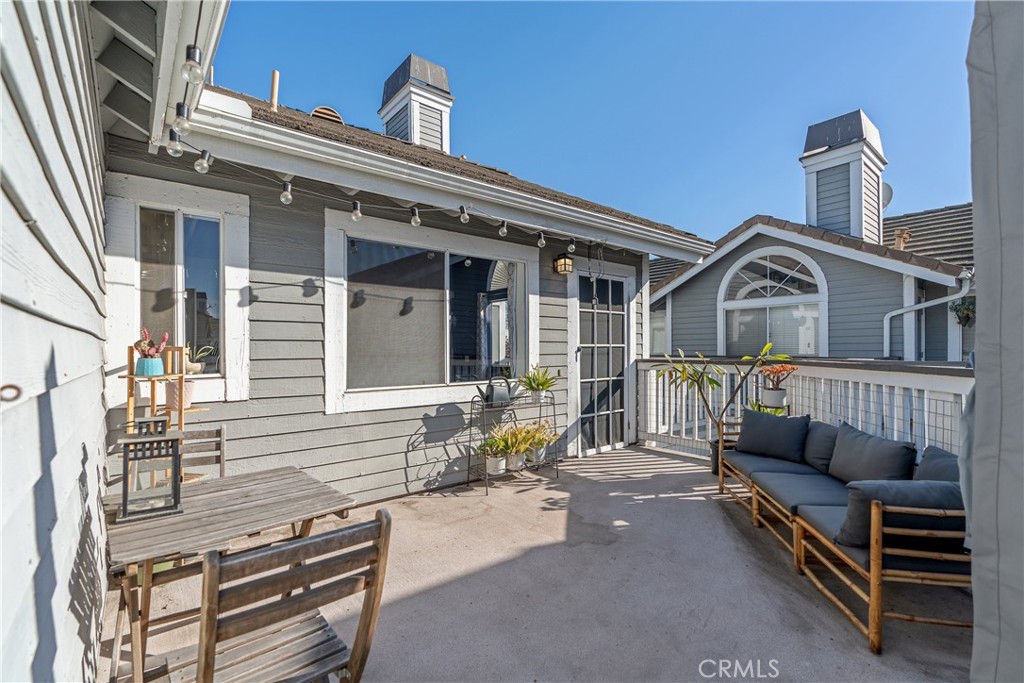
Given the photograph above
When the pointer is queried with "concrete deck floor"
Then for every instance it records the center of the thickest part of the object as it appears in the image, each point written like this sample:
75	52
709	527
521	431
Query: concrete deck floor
628	567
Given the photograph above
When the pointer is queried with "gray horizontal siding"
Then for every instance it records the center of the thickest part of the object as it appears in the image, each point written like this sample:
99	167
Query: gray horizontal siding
834	199
936	324
370	455
859	296
431	134
398	125
872	207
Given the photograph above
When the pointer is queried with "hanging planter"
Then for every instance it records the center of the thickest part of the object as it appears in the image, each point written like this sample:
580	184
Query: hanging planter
172	395
965	311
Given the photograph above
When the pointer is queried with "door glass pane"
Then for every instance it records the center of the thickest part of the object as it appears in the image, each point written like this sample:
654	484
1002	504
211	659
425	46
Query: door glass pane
586	327
586	398
602	430
603	396
617	394
587	362
602	328
617	427
156	272
487	300
618	334
396	325
618	361
746	331
603	360
587	437
203	306
618	296
586	292
602	294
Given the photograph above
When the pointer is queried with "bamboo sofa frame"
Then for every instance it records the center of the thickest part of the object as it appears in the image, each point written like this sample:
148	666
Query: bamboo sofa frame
802	539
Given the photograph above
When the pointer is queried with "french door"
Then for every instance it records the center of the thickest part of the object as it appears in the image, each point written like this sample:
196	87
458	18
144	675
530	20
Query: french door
602	357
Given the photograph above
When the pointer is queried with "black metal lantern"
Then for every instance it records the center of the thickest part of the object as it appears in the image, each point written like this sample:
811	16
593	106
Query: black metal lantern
151	481
563	264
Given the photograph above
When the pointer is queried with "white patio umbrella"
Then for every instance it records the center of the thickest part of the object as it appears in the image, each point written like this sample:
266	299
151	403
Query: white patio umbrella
995	62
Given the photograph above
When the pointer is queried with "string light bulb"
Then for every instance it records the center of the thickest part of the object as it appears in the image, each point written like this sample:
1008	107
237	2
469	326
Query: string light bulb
174	147
541	242
468	262
356	213
181	123
503	230
572	246
286	193
192	69
415	220
463	215
202	164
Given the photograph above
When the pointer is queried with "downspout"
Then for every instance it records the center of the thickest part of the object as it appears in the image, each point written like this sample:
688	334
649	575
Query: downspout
966	277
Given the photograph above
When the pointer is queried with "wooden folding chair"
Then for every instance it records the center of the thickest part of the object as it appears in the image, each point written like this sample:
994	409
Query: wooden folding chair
260	616
202	447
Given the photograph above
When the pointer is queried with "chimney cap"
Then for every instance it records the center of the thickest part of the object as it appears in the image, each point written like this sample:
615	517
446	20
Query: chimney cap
841	131
417	70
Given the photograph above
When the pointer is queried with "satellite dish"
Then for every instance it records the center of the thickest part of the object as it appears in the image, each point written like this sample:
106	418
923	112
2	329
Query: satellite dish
886	194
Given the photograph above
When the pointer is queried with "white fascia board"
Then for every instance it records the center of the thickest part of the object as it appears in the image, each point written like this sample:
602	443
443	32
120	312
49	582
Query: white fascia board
841	155
281	150
810	243
411	91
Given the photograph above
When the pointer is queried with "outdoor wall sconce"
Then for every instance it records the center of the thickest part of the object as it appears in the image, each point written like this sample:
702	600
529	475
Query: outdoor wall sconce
151	481
563	264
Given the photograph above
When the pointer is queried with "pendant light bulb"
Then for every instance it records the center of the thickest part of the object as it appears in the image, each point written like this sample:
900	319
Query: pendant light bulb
503	230
174	147
202	164
415	220
463	215
468	262
181	123
286	194
192	69
572	246
541	242
356	213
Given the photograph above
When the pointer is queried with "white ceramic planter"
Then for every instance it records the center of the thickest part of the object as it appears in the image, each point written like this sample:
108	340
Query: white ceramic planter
515	462
538	454
172	394
495	466
536	396
773	398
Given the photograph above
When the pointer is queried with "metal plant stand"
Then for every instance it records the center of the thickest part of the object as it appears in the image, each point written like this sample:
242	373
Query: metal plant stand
524	408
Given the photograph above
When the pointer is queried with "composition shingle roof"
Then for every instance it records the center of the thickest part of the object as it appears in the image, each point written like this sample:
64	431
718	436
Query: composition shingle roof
946	234
826	237
362	138
662	267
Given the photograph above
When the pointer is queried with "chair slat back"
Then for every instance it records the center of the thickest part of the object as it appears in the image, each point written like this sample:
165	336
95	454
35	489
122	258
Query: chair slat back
209	442
253	589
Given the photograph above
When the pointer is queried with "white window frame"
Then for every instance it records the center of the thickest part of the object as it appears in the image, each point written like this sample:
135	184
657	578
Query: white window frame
127	195
821	298
338	227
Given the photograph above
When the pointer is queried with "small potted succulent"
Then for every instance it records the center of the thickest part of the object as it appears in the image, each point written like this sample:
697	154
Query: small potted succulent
194	363
773	395
495	450
540	436
537	381
149	363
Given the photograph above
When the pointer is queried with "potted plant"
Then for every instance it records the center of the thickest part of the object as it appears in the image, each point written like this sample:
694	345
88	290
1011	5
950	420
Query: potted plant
149	363
965	311
537	381
773	395
702	377
194	363
495	450
520	441
540	436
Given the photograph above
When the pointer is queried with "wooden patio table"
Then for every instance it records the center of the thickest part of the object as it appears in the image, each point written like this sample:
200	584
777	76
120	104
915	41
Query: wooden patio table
214	513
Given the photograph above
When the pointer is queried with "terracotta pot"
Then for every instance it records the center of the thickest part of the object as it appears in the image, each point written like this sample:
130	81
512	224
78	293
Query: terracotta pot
172	395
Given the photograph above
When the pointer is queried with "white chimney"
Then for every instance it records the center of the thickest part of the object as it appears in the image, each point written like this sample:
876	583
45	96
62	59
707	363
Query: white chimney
417	104
843	163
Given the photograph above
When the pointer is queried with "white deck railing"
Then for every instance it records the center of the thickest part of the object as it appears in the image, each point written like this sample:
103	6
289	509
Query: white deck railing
915	402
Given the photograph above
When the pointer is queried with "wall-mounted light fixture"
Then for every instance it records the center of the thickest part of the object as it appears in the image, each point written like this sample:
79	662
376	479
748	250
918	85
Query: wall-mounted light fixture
563	264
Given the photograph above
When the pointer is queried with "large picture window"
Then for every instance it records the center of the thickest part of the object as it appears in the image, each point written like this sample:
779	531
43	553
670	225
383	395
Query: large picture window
777	296
180	280
418	316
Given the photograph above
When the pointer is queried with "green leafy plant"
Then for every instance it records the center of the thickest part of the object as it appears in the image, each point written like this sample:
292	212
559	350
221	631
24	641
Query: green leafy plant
537	379
539	435
762	408
196	355
965	311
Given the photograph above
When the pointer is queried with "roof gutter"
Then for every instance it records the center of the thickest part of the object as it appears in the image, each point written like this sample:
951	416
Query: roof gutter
966	280
245	140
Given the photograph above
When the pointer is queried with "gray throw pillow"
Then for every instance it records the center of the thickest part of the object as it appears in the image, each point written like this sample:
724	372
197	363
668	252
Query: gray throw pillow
859	456
821	441
937	464
773	435
940	495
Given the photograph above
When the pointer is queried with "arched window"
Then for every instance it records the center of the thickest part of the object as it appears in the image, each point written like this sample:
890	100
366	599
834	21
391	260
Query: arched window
777	295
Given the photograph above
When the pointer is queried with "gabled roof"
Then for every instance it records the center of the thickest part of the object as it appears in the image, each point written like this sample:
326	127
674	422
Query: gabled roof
946	234
825	240
378	143
661	267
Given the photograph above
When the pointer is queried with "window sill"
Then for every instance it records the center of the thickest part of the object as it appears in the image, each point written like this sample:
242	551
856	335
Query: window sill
363	400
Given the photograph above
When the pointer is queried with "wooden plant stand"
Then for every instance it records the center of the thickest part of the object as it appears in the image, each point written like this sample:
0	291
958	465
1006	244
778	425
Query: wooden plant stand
174	371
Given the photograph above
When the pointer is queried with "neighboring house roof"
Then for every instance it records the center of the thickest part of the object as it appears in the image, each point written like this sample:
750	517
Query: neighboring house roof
661	267
833	242
362	138
946	234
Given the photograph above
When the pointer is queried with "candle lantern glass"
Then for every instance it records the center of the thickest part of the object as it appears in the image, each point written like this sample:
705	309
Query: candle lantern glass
151	482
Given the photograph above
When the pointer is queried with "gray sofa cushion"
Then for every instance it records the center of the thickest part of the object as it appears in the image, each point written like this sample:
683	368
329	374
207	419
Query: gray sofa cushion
820	443
941	495
748	463
773	435
793	490
937	465
828	519
860	456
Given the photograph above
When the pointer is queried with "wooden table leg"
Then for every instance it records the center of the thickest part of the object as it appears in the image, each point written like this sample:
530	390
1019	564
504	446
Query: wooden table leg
131	599
147	600
305	528
115	653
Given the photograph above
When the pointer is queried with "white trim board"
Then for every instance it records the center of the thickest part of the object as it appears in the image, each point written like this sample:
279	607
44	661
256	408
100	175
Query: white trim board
125	194
338	227
810	243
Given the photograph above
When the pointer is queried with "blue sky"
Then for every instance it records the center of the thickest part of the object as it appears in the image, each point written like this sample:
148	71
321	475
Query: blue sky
692	114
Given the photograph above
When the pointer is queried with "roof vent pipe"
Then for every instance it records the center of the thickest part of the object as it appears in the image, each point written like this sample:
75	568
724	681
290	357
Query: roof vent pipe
275	76
901	238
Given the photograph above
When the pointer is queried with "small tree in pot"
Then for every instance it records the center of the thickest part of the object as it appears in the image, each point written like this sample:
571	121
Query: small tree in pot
773	395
